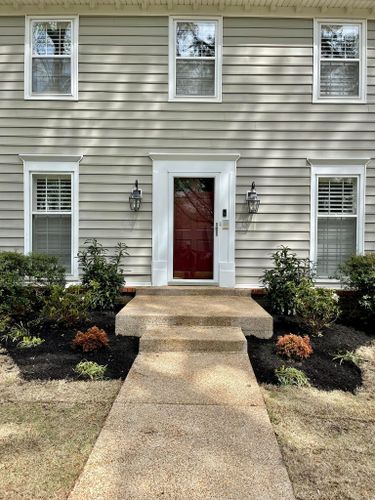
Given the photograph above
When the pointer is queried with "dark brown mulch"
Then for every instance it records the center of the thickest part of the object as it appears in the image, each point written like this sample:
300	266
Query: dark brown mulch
323	372
55	358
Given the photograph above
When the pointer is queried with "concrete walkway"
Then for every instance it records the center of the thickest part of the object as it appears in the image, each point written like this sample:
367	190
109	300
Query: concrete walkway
188	423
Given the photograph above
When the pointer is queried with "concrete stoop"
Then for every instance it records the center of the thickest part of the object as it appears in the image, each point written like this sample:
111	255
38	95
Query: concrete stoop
181	307
189	422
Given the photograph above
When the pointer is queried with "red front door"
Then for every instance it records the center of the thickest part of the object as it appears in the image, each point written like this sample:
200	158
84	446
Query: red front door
193	242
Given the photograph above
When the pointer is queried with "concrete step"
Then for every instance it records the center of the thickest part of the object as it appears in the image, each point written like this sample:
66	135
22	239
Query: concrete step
193	290
193	339
147	311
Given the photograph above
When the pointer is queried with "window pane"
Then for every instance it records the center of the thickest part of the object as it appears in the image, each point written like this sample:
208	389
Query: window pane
195	78
339	79
52	236
336	243
337	195
340	41
52	193
52	38
195	39
51	76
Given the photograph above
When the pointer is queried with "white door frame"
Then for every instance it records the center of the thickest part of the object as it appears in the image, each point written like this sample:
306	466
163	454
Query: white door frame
166	166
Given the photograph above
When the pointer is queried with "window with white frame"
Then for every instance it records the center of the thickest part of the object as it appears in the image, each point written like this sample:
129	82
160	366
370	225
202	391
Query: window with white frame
340	61
337	217
51	211
51	58
195	59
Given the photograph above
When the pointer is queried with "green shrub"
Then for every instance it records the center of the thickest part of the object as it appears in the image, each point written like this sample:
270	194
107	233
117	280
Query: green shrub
347	356
316	307
44	270
102	275
291	376
358	273
282	281
5	323
91	370
25	281
65	306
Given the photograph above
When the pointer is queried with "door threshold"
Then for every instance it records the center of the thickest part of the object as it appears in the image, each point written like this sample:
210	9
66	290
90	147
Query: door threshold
192	283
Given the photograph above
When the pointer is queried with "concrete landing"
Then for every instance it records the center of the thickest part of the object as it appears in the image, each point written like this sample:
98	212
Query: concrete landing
150	311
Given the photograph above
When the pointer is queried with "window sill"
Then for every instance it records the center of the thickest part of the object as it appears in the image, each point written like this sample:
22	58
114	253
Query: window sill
51	98
319	100
196	99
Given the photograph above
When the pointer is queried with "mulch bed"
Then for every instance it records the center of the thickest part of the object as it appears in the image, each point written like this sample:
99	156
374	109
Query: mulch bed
323	372
55	358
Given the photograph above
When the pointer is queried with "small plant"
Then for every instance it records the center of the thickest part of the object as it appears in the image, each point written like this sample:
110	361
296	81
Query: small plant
29	341
91	370
294	346
16	333
347	356
102	275
291	376
282	281
317	307
92	339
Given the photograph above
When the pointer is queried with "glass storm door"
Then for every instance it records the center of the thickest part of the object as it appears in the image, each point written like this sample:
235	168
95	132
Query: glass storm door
193	232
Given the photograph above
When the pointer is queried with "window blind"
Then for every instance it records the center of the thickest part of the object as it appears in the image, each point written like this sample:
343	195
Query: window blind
337	223
52	217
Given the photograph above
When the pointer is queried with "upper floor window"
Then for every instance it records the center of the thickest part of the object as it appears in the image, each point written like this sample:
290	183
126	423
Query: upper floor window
195	59
51	58
340	61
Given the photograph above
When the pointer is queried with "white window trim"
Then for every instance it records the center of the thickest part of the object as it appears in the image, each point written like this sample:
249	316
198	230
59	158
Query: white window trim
172	60
28	60
337	170
362	64
45	164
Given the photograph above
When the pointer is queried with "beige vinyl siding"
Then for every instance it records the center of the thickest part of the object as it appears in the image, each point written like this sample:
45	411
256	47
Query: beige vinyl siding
123	113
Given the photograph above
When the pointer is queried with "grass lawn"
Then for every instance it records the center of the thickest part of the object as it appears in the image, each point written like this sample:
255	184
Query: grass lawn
47	430
328	438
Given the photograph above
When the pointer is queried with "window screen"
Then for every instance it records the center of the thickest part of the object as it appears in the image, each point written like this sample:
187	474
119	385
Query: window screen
52	217
196	58
337	223
340	60
51	53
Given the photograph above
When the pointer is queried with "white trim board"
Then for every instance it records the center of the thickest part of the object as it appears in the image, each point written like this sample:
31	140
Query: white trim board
164	169
46	165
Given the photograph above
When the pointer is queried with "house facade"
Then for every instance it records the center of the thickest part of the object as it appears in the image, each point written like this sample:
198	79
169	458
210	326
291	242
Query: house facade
194	102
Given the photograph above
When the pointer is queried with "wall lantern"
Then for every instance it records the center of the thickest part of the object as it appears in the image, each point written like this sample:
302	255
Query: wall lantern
252	200
135	198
